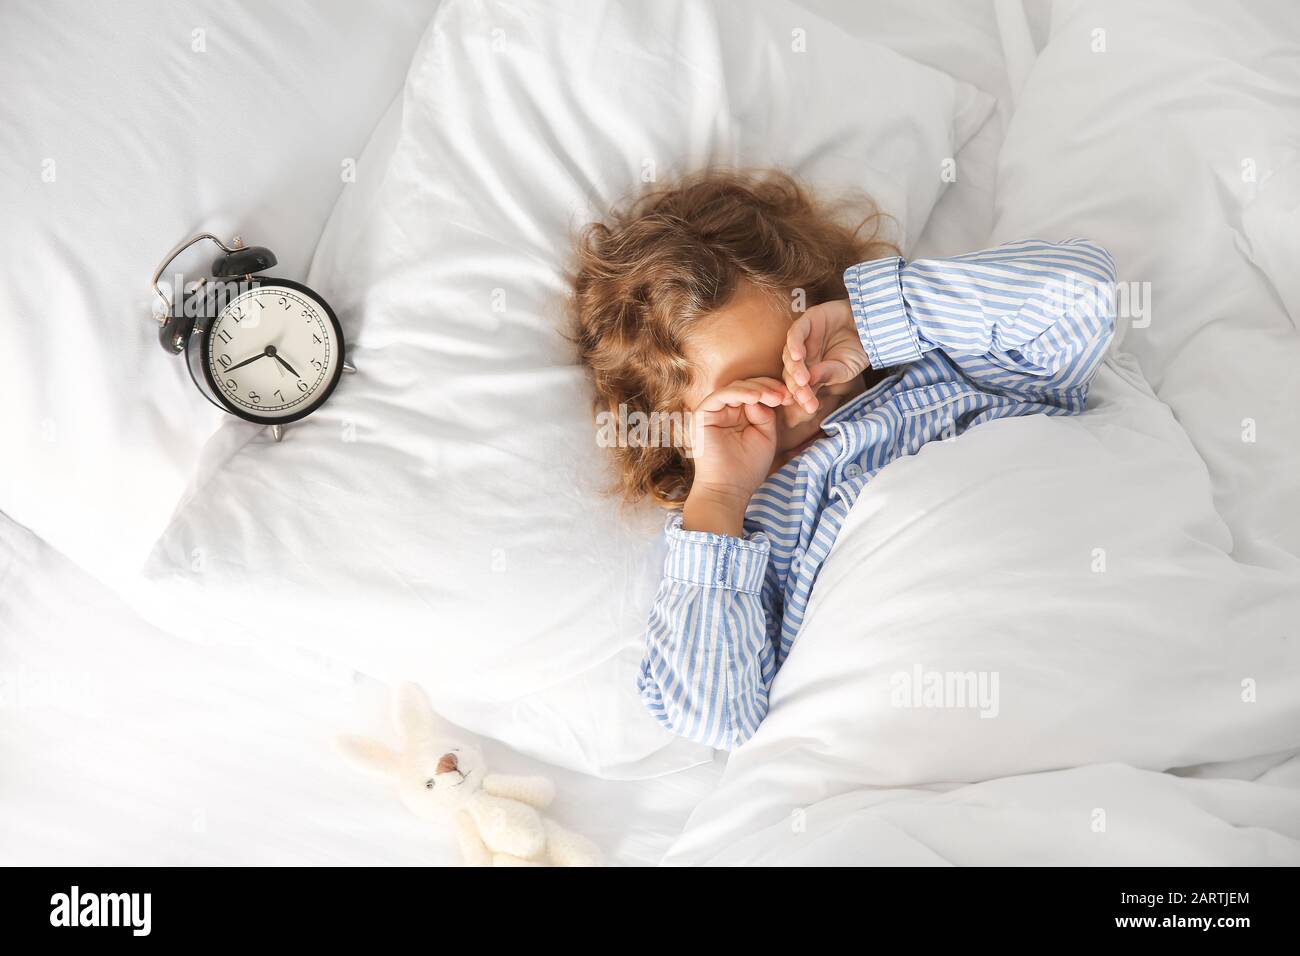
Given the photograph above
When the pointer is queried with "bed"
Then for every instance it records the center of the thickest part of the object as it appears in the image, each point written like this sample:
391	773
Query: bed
155	712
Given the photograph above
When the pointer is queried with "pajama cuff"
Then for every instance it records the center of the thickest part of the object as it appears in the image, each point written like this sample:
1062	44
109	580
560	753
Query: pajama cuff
880	314
715	560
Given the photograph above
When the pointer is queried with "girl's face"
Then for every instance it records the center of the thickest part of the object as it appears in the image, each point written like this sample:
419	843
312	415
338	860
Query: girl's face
744	339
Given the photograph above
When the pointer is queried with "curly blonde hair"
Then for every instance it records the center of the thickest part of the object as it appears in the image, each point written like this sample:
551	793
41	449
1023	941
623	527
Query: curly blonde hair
652	270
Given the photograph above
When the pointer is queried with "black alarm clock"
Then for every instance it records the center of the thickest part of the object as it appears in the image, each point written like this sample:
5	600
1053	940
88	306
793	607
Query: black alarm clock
267	350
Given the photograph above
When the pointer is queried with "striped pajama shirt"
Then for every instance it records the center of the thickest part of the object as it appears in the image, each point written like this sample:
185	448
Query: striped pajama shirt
1015	330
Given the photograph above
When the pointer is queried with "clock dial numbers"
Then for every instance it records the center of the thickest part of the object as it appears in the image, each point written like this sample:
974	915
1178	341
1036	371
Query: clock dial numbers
272	351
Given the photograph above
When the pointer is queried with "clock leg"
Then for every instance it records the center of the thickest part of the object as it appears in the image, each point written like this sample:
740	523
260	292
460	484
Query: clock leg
348	367
277	432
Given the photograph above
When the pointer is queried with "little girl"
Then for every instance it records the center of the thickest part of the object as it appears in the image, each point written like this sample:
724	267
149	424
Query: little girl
740	299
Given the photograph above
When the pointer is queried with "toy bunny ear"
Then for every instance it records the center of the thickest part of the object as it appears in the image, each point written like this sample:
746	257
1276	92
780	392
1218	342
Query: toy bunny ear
369	755
414	716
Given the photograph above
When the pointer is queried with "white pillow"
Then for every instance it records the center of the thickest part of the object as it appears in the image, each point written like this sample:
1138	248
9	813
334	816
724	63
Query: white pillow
963	40
1164	131
1039	593
444	518
125	128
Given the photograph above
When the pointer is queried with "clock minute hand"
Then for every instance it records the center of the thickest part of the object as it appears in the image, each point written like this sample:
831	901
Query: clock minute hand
247	361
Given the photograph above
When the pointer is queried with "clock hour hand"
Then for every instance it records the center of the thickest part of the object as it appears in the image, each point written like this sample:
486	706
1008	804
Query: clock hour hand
276	356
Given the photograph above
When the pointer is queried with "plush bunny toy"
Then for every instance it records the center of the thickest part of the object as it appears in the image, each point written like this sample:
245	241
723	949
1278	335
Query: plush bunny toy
496	817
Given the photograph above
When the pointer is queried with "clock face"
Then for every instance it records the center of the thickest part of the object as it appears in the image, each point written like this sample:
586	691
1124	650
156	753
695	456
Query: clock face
273	353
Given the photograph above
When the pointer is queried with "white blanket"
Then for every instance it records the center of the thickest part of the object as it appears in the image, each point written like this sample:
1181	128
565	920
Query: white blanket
1040	593
1109	815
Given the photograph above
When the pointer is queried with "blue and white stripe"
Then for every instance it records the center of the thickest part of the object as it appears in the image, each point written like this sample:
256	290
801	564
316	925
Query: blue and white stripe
1015	330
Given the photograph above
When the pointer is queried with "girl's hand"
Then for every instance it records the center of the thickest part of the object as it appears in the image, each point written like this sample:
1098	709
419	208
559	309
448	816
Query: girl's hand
822	349
733	442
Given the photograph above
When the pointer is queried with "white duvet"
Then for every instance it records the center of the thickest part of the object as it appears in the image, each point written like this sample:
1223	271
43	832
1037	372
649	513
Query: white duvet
1105	815
1040	593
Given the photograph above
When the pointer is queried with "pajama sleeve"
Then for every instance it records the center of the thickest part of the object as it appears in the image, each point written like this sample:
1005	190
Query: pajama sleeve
709	662
1031	320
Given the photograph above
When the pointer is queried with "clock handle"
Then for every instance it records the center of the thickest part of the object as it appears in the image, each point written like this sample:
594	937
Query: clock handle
161	318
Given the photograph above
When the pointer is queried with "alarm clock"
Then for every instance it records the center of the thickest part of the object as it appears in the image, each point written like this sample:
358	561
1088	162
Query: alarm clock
267	350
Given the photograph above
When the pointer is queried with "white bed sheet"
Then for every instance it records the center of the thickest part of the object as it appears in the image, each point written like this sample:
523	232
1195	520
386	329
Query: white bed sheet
122	745
125	128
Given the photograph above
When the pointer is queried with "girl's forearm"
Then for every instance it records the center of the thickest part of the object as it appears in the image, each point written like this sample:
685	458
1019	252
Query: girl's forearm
715	510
